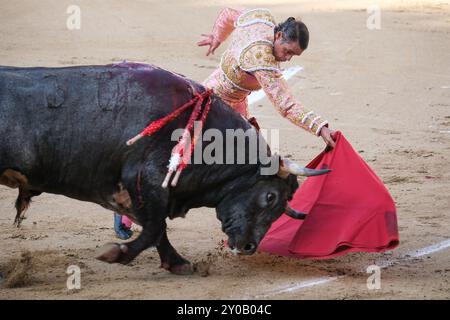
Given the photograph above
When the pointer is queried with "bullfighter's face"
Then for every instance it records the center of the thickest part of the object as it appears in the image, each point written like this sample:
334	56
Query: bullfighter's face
284	50
248	212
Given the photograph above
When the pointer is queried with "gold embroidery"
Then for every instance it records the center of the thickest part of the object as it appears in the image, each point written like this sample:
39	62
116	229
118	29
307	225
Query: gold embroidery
258	56
252	15
238	77
298	118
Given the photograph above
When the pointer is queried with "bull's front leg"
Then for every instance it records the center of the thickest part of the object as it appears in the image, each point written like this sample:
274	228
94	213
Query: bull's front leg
171	259
150	210
126	252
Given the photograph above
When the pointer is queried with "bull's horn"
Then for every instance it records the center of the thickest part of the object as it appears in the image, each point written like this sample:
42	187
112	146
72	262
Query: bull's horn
294	213
288	166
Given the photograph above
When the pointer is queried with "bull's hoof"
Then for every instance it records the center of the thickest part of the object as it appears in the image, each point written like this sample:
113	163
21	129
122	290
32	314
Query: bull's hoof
184	269
112	253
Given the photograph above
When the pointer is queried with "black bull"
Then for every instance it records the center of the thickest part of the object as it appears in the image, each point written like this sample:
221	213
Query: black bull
64	131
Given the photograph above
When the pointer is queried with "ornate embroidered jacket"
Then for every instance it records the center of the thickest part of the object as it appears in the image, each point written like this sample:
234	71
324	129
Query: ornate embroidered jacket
248	64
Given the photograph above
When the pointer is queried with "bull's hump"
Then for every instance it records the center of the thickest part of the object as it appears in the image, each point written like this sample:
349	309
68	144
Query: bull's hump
135	66
153	77
151	70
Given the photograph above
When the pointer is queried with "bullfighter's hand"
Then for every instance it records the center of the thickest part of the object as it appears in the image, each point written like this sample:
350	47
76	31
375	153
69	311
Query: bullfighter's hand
326	135
210	41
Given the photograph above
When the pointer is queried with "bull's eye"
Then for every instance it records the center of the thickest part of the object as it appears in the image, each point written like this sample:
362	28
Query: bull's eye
270	197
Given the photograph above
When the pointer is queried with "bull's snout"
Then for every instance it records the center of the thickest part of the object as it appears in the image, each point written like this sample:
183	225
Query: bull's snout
249	248
246	249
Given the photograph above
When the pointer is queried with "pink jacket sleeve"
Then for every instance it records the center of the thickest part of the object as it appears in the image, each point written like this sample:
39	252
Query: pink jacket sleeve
225	23
278	92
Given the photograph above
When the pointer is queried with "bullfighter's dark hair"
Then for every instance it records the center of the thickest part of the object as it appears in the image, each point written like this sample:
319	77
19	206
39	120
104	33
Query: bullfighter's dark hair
294	30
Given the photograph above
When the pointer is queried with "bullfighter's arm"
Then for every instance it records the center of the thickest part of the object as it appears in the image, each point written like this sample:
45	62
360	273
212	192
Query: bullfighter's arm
224	25
278	92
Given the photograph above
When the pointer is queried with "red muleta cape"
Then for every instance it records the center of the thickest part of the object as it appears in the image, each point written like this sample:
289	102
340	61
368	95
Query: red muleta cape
349	209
